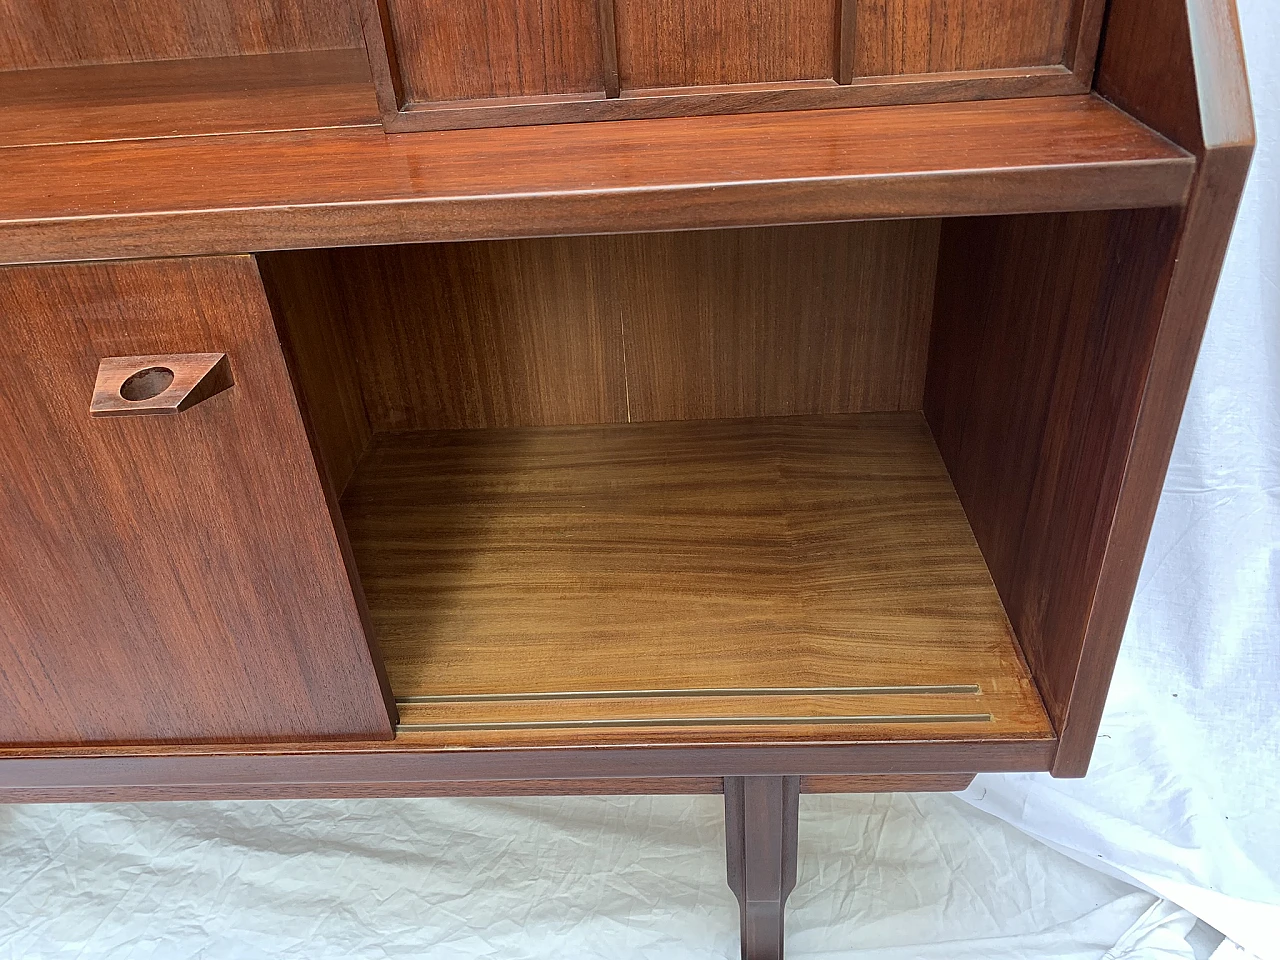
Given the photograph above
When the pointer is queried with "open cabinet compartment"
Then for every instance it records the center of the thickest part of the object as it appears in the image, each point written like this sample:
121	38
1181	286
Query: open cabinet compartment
701	487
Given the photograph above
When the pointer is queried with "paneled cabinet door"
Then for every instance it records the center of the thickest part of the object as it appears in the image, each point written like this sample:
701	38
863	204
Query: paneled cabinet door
169	569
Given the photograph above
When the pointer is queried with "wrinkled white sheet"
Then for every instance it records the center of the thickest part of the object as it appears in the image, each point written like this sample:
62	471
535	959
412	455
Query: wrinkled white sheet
880	878
1184	793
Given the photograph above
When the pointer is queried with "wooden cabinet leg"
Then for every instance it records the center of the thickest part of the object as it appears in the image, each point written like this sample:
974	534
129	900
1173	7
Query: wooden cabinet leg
761	818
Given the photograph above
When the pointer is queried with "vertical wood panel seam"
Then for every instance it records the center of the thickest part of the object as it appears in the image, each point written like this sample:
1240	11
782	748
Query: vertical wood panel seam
609	50
626	376
846	22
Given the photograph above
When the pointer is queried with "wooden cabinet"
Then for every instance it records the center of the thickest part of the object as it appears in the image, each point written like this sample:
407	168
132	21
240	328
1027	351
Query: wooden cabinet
393	422
439	65
166	578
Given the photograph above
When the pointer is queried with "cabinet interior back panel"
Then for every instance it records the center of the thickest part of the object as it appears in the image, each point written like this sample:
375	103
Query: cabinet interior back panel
677	43
60	33
775	321
894	37
497	48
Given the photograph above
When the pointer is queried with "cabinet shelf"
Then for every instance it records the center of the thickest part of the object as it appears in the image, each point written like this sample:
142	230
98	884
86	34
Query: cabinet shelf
806	578
344	186
185	98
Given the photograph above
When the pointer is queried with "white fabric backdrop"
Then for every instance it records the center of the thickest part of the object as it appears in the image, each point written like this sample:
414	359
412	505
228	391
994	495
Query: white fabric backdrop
1182	799
1184	792
880	878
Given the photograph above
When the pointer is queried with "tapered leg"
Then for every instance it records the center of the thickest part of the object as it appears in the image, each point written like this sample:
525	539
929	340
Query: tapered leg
761	819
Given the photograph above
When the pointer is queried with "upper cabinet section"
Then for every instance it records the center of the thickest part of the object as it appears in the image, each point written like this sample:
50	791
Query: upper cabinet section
65	33
440	64
262	65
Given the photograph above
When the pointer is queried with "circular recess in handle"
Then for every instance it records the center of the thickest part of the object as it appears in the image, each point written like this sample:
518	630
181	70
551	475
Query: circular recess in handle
161	384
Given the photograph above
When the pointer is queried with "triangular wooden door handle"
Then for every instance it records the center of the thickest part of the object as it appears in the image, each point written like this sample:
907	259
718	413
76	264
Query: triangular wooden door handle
161	384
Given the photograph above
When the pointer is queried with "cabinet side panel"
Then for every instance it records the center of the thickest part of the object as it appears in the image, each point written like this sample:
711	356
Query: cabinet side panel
685	43
1043	333
58	33
449	50
1177	65
166	578
895	37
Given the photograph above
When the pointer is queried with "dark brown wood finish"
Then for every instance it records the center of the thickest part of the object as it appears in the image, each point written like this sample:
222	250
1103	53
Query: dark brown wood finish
692	43
153	385
472	335
609	49
929	36
603	787
1043	327
761	827
1058	419
1202	37
766	97
791	320
846	25
164	580
905	784
202	770
501	48
585	60
1086	29
828	318
345	187
184	98
319	340
55	33
184	615
600	787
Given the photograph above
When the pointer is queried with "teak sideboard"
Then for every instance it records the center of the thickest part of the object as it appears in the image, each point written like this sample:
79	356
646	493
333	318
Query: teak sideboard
427	397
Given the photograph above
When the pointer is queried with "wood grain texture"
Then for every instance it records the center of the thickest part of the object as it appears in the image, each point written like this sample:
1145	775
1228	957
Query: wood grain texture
764	97
163	384
319	341
1042	340
56	33
500	48
603	787
846	40
1096	458
384	58
600	787
609	48
482	335
1199	38
1083	38
697	57
761	826
793	555
789	320
904	784
182	98
689	43
768	322
328	188
164	580
196	770
896	37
